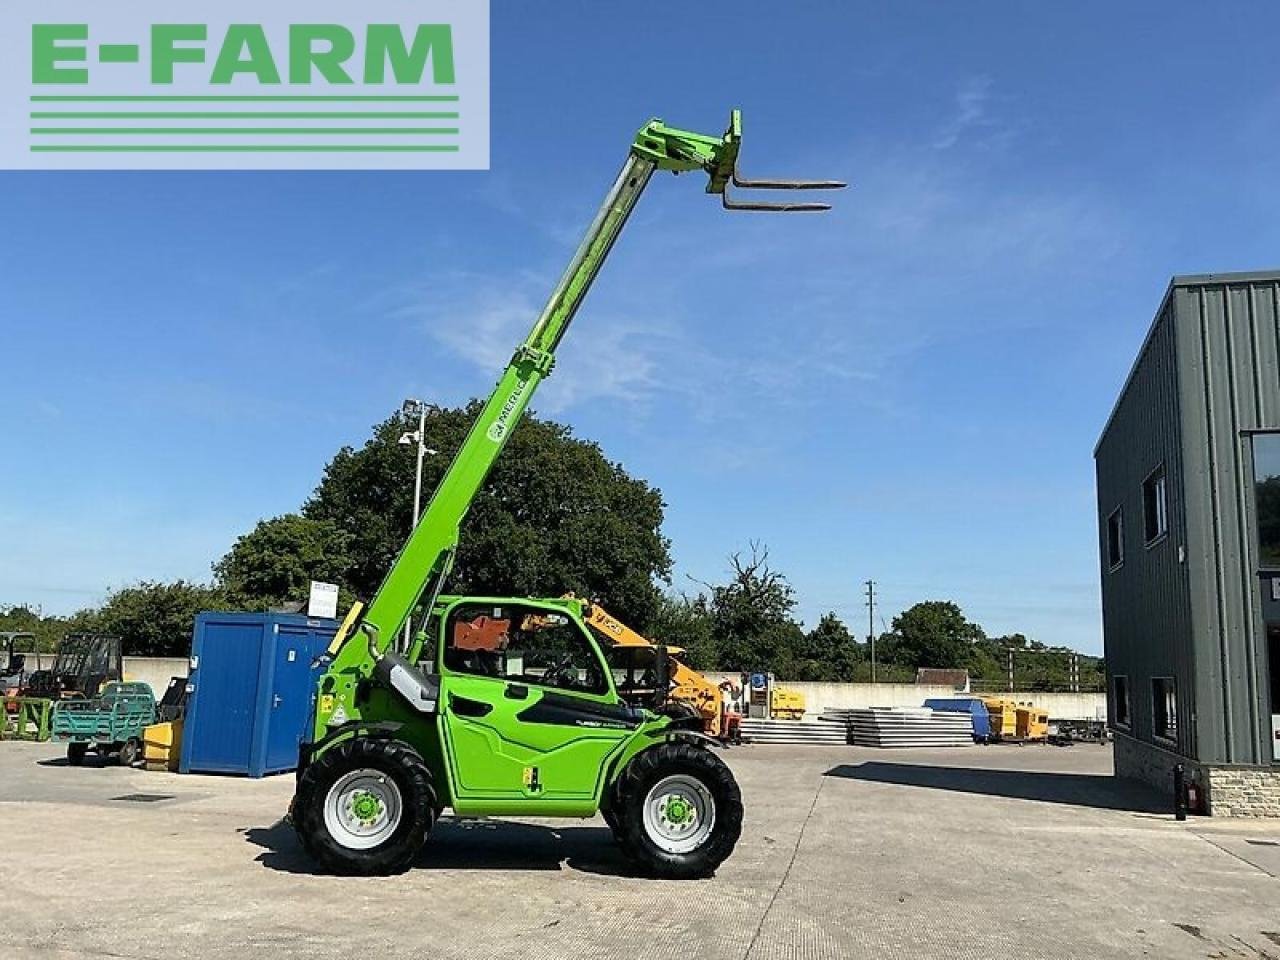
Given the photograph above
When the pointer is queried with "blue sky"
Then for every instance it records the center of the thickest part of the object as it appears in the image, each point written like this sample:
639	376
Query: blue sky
907	389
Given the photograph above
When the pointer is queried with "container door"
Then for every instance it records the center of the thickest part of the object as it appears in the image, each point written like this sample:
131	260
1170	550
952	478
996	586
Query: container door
220	714
288	714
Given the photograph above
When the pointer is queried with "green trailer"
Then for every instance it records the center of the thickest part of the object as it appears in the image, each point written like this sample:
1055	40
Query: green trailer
110	724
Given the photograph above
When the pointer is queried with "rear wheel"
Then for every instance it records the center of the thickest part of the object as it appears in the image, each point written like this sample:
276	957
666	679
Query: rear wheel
76	753
128	754
365	807
679	811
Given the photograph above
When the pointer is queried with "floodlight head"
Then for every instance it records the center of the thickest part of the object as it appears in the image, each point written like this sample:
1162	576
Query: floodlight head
408	438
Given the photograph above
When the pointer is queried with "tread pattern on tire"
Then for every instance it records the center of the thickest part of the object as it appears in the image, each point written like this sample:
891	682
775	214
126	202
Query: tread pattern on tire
627	806
418	801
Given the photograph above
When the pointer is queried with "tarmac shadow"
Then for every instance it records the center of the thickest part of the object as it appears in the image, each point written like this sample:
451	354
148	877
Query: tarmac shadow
90	760
465	843
1076	789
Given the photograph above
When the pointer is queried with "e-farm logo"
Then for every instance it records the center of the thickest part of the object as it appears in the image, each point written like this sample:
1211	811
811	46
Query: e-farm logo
146	84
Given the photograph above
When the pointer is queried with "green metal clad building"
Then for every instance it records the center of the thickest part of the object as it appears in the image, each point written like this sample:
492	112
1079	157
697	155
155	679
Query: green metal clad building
1188	481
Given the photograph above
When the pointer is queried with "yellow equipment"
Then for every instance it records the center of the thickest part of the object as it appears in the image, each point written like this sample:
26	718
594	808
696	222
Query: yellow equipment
1033	723
1004	716
161	745
786	704
688	686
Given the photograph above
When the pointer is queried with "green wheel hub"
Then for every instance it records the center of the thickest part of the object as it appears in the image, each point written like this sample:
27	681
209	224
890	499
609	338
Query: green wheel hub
677	809
366	806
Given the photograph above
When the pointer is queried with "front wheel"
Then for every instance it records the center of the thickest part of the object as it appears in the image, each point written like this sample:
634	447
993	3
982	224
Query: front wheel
680	813
365	807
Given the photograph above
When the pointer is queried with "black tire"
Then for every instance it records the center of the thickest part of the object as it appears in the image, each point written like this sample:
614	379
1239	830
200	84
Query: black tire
76	753
631	792
128	754
611	819
402	765
610	804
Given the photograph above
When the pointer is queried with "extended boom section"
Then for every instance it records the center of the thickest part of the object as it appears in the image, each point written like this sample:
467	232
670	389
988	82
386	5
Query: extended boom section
428	552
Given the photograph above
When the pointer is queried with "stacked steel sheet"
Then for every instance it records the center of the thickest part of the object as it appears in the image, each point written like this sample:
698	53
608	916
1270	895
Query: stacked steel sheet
792	731
909	727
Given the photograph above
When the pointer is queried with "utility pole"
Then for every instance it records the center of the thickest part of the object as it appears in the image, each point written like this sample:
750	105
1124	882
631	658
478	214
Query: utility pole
1009	650
871	625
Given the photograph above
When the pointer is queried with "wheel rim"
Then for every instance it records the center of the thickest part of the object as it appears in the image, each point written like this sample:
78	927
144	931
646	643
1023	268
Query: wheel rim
679	814
362	809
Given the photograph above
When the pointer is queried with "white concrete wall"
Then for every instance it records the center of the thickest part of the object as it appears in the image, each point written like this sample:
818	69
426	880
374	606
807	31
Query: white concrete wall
819	696
155	671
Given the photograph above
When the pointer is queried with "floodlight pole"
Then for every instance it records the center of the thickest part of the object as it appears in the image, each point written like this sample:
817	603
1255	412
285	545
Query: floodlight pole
420	435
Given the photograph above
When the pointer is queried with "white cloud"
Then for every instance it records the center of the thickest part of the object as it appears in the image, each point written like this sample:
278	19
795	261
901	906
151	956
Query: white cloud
970	113
738	316
481	319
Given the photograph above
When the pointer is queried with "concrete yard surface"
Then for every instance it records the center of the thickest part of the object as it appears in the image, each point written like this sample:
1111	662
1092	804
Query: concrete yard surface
1013	852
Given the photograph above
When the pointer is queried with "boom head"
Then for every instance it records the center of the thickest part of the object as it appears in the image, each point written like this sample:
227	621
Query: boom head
678	150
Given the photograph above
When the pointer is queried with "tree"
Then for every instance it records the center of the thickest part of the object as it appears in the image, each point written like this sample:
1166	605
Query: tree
934	633
151	619
681	621
278	559
752	617
829	652
554	515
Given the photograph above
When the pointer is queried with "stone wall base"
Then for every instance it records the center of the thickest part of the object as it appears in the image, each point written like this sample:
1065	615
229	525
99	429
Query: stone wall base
1229	791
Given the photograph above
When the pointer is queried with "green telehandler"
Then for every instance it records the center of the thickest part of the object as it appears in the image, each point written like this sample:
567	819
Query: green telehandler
500	706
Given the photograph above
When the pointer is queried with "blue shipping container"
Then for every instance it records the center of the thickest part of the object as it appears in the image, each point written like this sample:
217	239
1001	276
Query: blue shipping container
251	686
970	705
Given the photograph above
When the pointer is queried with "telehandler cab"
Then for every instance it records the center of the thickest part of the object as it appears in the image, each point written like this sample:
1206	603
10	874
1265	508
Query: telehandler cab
503	706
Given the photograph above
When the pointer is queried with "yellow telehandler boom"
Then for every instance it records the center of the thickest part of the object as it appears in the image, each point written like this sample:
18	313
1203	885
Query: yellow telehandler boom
688	686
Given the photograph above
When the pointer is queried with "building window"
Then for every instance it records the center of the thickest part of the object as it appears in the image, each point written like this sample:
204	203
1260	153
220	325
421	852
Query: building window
1115	538
1266	497
1120	700
1155	510
1164	708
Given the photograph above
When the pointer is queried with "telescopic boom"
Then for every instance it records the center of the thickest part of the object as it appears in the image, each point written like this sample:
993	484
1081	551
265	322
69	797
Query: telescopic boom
427	555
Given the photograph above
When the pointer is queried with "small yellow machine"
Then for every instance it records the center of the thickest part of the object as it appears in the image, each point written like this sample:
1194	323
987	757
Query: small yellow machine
1032	723
162	745
1004	717
786	704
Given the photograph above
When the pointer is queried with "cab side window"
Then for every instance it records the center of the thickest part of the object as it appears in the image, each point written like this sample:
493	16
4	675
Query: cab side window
522	645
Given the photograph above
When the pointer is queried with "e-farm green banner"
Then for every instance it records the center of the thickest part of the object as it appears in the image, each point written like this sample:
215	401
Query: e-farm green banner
244	85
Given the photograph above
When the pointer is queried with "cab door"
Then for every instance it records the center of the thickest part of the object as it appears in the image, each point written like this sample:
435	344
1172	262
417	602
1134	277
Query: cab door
528	709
